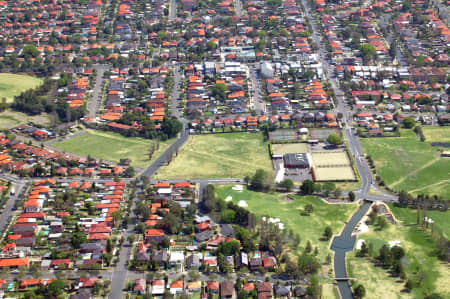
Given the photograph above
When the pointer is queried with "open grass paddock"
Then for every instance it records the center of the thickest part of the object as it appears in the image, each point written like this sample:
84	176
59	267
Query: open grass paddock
12	85
405	163
112	147
232	155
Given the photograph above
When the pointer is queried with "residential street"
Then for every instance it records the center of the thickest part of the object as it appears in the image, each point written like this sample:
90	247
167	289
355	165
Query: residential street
96	96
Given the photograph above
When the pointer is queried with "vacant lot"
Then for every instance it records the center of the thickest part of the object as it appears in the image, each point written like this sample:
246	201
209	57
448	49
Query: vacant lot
112	147
10	119
436	134
420	258
12	85
233	155
290	148
405	163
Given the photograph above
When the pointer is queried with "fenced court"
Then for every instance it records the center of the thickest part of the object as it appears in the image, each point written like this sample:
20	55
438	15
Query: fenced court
289	148
330	158
322	134
333	165
283	135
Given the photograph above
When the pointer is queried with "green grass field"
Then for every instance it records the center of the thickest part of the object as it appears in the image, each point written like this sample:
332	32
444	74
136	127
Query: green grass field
420	254
12	85
436	134
289	212
10	119
233	155
405	163
112	147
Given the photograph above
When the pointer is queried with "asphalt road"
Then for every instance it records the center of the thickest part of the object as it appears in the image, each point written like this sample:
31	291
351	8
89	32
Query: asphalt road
7	211
96	97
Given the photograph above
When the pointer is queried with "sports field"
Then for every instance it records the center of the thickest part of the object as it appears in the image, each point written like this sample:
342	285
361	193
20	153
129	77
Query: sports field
233	155
12	85
420	258
322	134
290	148
405	163
10	119
112	147
332	165
283	135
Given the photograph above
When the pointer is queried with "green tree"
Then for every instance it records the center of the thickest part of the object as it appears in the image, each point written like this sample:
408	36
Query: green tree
56	287
219	91
334	139
307	187
287	184
359	291
368	51
409	122
29	51
309	209
228	216
78	238
258	179
328	232
351	196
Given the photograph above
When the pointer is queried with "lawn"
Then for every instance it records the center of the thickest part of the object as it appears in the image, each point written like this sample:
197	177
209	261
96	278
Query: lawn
405	163
233	155
289	212
436	134
12	85
112	147
10	119
420	253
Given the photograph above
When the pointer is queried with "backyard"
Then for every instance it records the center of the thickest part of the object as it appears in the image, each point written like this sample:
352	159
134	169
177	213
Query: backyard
233	155
405	163
12	85
112	147
420	259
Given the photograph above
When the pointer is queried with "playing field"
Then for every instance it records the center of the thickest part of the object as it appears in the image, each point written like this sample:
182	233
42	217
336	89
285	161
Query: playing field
420	258
289	212
332	165
233	155
330	158
405	163
10	119
112	147
436	134
290	148
12	85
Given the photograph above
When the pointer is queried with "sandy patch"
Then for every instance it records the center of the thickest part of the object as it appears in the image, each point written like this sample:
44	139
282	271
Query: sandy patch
242	204
238	188
229	198
394	243
359	243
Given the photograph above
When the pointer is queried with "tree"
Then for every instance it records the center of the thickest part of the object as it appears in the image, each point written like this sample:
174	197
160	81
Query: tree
56	287
78	238
368	51
258	179
351	196
359	291
409	122
29	51
228	216
308	247
334	139
381	222
219	91
307	187
308	264
287	184
130	172
328	233
309	208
